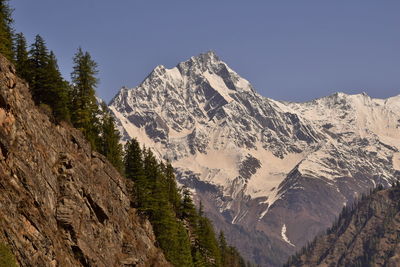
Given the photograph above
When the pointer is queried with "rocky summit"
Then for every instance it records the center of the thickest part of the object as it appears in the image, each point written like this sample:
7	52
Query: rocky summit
271	174
62	204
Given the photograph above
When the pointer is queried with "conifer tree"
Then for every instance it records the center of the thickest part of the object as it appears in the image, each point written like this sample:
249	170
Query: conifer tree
153	182
174	196
6	30
223	247
39	59
57	94
188	209
134	170
184	249
207	242
22	65
47	86
84	104
109	144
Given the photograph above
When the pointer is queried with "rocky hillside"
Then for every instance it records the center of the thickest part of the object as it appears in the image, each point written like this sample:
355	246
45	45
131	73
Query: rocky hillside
62	204
271	174
367	234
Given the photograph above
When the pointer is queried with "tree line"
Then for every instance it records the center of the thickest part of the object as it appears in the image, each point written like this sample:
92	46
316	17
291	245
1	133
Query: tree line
184	234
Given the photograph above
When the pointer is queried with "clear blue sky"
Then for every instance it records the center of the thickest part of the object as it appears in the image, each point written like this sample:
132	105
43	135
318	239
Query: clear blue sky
292	50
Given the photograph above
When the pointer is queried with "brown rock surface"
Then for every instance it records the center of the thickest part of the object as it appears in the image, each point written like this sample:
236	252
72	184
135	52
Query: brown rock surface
62	204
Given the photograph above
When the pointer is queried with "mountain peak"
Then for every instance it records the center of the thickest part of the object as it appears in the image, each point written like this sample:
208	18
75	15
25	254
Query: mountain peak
207	61
209	56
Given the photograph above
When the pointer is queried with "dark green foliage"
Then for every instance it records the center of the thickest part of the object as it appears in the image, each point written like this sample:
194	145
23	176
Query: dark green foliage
6	30
84	108
22	65
173	194
185	235
183	250
109	144
39	59
152	196
207	243
58	94
45	80
153	184
188	209
6	257
134	170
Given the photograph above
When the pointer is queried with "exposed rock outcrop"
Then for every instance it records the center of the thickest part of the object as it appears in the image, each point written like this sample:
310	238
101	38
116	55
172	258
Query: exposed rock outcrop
62	204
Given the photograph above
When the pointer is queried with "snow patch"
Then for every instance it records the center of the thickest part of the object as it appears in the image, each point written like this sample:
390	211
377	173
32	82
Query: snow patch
263	213
216	166
174	74
239	217
265	182
218	84
284	237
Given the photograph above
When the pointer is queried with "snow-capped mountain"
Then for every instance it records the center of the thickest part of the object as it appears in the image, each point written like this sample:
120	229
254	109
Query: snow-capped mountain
270	174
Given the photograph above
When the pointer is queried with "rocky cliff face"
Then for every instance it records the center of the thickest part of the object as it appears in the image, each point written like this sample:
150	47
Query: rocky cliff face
271	174
62	204
368	235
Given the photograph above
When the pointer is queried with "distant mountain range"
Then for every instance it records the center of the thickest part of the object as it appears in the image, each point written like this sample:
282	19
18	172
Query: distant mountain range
271	174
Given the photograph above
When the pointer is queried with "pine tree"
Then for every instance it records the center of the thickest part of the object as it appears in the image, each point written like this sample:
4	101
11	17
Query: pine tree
84	104
57	96
39	59
22	65
109	144
223	247
207	242
134	170
188	209
174	196
153	182
6	30
184	249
